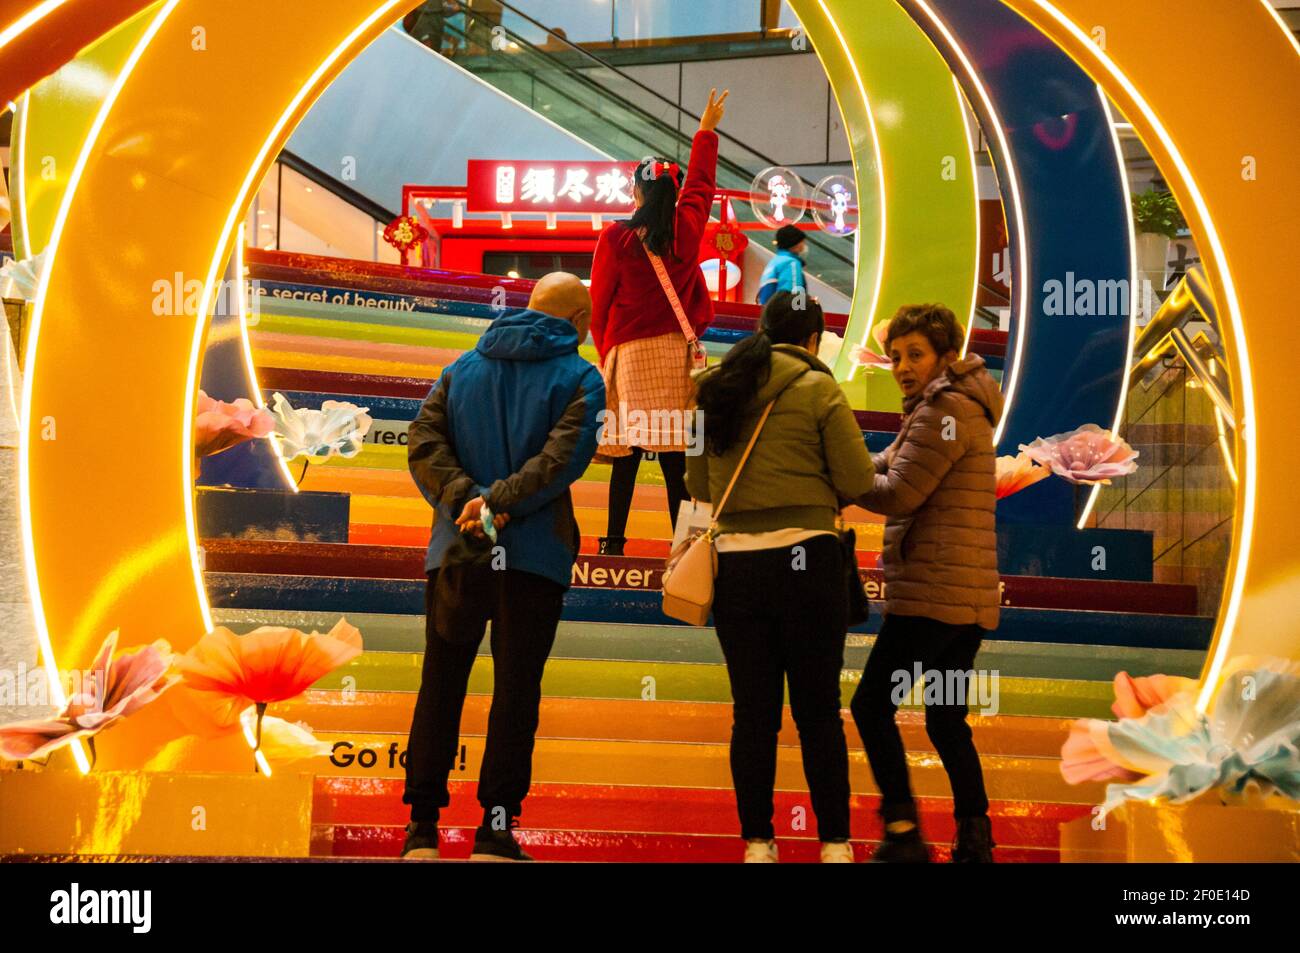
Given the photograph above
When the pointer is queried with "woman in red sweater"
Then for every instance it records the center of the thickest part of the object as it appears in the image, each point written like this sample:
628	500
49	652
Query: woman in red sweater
645	348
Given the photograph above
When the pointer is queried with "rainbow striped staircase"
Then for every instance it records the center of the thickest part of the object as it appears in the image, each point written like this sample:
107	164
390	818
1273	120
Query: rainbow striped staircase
631	759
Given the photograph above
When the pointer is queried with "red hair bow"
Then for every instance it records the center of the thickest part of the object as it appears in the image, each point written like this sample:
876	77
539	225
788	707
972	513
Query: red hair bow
665	168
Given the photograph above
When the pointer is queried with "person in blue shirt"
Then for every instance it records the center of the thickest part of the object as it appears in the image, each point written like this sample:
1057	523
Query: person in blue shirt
506	430
785	271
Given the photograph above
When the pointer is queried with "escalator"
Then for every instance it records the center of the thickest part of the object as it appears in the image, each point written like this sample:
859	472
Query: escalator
607	108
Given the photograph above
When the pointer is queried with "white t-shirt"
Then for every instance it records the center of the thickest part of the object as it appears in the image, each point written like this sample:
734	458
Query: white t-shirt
775	539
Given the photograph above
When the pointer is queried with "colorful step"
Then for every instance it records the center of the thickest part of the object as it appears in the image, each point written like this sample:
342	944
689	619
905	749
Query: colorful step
613	719
644	607
702	682
615	572
627	823
669	643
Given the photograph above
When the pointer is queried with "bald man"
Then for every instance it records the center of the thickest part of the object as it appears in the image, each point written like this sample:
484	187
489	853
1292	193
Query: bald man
503	434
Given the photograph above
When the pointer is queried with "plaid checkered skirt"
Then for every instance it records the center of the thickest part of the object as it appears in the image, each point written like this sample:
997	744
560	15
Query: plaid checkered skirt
647	390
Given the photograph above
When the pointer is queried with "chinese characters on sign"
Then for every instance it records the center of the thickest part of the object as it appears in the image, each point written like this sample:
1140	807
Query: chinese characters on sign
580	187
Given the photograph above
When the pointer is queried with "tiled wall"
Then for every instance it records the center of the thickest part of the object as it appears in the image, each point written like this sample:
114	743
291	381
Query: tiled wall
1182	490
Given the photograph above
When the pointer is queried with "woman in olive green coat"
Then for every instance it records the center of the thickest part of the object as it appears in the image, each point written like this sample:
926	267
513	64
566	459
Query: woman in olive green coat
779	603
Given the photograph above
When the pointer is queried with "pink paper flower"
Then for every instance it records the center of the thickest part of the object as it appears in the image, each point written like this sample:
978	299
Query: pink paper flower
1016	473
219	426
1087	455
1134	697
865	356
1088	754
113	689
1083	759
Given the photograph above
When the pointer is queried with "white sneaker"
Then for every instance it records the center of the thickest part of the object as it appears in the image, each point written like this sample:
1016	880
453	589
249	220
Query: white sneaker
760	852
837	853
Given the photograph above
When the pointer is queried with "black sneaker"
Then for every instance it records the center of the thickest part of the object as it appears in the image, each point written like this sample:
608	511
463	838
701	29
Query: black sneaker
497	845
974	841
421	841
902	848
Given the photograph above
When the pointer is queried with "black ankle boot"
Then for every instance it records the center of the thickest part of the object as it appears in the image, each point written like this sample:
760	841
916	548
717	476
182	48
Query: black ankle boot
612	545
902	848
974	841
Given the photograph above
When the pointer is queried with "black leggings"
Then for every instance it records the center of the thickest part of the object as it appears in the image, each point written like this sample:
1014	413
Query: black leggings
622	482
780	620
905	641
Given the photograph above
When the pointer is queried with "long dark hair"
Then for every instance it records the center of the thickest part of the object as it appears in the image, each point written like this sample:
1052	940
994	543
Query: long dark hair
726	394
658	209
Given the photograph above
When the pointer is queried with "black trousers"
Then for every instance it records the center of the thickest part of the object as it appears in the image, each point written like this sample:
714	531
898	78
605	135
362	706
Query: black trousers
524	620
622	482
780	616
903	642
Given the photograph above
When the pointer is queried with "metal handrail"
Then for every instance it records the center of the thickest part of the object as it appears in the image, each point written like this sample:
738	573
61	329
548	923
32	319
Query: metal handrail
666	130
588	55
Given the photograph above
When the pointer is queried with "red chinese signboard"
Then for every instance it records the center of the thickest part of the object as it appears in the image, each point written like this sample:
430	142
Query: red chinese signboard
580	187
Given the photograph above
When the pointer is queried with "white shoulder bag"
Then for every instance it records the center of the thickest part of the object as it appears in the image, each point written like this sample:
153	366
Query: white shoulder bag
692	566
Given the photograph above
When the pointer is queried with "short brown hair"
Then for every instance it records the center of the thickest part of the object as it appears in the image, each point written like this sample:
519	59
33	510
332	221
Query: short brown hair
937	323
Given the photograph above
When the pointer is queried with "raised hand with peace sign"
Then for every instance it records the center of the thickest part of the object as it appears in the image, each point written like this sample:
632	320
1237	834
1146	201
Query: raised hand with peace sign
714	111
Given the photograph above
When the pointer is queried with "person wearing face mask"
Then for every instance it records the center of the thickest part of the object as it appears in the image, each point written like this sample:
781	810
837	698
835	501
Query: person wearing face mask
936	486
785	271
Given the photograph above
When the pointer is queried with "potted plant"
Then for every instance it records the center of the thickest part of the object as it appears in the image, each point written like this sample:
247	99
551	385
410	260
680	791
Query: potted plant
1157	219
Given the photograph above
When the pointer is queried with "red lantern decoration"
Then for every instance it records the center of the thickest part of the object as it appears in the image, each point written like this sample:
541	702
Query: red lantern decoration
405	233
723	240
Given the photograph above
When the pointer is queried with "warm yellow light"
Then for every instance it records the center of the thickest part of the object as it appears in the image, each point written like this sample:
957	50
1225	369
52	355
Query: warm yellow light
1246	398
1010	378
1223	437
18	175
965	108
880	173
249	365
1133	293
1286	30
25	22
236	215
57	694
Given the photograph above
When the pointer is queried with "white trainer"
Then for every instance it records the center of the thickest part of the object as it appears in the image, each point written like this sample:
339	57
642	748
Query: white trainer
760	852
837	853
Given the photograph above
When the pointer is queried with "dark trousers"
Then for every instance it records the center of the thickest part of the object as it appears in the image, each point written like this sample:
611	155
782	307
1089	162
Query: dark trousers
524	620
622	481
780	616
903	642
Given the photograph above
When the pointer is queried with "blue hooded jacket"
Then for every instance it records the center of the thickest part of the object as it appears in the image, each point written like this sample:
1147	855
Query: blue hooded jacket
515	421
783	272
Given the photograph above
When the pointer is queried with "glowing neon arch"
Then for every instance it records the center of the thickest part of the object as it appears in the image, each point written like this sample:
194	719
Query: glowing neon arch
108	523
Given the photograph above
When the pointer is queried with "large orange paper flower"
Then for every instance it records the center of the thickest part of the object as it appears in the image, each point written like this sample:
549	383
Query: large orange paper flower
269	664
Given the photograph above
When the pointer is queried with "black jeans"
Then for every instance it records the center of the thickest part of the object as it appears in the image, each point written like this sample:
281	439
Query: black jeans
903	642
622	482
780	615
524	620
